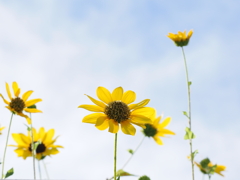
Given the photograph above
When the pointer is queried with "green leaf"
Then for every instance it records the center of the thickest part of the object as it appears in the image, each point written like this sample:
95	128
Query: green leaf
194	154
189	83
28	128
9	173
118	178
130	151
189	134
121	172
144	178
186	114
204	163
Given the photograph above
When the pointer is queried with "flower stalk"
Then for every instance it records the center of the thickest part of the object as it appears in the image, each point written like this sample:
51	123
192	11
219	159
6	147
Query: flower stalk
5	149
115	157
189	110
32	146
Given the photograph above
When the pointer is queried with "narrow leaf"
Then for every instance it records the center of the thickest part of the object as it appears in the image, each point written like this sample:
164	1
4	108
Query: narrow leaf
130	151
189	83
9	173
185	114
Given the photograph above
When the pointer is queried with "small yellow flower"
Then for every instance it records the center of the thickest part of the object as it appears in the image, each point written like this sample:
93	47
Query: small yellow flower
1	128
181	39
218	169
115	108
17	105
45	147
157	129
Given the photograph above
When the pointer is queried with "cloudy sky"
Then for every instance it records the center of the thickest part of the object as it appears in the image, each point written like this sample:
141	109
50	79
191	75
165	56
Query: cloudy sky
64	49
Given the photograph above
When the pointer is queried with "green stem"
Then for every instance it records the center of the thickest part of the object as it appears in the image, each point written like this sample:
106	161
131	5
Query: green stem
134	152
189	109
33	149
4	154
39	170
45	169
115	157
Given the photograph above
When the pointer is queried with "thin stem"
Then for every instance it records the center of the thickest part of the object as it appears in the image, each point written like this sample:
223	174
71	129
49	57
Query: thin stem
32	146
134	152
189	109
115	157
45	169
39	170
4	154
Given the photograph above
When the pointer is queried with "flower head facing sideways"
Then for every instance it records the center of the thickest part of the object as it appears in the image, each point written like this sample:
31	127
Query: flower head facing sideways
181	38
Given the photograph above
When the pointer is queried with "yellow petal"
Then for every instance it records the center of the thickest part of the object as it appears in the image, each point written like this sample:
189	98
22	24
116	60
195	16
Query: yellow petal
157	120
190	34
158	140
56	146
140	125
92	118
139	105
129	97
32	102
27	118
21	139
128	128
4	99
32	110
102	123
162	132
16	89
49	136
140	119
8	91
117	94
93	108
166	122
144	111
104	95
41	133
99	103
26	95
23	153
113	126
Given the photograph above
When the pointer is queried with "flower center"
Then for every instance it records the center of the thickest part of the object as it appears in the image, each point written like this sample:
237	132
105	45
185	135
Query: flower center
17	104
40	148
117	111
150	131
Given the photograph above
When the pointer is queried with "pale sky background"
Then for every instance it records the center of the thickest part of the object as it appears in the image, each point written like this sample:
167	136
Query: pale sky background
65	49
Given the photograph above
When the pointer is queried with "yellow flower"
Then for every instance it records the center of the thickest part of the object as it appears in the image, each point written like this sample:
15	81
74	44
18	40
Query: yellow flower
17	105
115	108
45	147
157	129
206	170
1	128
181	39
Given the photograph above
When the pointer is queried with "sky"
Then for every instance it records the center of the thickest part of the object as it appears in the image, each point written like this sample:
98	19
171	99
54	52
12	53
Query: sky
64	49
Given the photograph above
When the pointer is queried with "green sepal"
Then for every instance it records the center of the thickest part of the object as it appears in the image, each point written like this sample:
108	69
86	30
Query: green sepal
121	172
9	173
212	169
130	151
32	106
189	83
43	157
189	134
185	114
118	178
144	178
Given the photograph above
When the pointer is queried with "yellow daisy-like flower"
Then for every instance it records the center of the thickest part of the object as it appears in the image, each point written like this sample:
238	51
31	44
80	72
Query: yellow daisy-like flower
17	105
218	169
182	38
157	129
1	128
46	146
115	108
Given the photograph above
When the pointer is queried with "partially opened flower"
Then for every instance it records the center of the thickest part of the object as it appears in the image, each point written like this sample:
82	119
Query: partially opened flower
181	38
157	129
19	104
116	109
206	167
1	128
44	139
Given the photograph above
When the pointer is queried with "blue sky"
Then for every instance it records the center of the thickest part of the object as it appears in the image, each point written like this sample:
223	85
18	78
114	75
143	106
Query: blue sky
65	49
